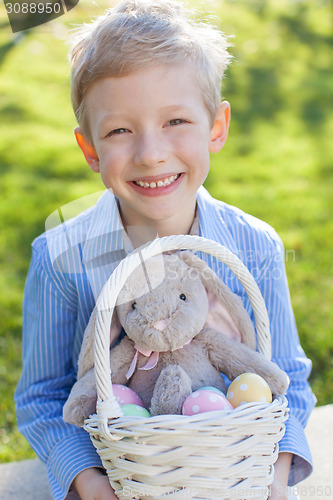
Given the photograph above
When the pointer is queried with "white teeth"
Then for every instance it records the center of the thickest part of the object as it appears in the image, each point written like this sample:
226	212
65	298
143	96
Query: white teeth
160	183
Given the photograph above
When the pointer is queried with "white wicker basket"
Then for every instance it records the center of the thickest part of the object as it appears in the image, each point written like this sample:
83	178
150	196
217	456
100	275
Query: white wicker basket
216	455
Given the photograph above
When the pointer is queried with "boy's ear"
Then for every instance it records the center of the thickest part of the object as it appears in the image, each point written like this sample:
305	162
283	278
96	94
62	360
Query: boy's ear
220	128
87	149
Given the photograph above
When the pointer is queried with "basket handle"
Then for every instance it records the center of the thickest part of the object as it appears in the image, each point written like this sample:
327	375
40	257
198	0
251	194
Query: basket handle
108	297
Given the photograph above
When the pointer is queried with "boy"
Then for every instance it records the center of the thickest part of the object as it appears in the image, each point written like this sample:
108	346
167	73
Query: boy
146	92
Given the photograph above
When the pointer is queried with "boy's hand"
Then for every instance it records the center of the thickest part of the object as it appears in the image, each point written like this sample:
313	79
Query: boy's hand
92	484
278	490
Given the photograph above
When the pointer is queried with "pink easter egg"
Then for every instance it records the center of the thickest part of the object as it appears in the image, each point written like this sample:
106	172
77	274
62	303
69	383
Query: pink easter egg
124	395
205	400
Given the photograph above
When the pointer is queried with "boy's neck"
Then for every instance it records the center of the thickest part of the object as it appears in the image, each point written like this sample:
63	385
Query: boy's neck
142	231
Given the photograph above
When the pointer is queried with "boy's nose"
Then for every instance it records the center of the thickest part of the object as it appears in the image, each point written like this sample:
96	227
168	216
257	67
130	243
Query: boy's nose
150	150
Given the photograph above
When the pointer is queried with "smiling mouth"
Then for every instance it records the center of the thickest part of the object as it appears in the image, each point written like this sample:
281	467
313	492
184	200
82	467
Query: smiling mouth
158	184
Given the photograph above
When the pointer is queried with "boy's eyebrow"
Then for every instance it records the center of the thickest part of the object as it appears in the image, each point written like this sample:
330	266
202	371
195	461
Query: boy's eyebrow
107	116
176	107
113	116
172	107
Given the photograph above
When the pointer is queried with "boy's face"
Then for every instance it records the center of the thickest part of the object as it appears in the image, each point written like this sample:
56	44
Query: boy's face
152	134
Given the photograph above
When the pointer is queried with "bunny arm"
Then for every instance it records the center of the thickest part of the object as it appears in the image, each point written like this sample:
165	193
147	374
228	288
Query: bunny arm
233	358
121	357
82	400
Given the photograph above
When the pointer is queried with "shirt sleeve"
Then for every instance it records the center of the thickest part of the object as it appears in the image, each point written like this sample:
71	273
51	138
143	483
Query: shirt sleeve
49	325
289	355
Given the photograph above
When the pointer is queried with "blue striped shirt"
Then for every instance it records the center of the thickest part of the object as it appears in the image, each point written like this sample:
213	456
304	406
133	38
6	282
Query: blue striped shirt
71	262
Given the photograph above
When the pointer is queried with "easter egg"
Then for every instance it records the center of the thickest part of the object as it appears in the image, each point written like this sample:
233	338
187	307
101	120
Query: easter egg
248	388
130	410
210	388
124	395
205	400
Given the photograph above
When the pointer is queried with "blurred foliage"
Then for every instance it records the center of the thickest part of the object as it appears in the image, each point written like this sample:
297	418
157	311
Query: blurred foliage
276	165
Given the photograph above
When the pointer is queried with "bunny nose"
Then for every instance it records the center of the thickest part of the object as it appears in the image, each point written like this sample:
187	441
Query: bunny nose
160	325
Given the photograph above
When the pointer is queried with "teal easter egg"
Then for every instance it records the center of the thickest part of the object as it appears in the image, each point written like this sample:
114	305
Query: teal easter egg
132	410
210	388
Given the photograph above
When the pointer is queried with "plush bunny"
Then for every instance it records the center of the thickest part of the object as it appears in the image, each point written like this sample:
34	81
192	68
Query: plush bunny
183	328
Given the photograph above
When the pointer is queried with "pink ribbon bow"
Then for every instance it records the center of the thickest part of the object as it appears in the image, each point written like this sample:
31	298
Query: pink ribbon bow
151	363
152	359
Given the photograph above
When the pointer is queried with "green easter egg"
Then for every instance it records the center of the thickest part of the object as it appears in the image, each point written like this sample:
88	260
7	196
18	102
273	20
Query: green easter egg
131	410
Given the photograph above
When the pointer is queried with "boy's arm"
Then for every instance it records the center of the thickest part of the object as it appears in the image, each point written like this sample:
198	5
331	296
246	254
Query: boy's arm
49	325
288	354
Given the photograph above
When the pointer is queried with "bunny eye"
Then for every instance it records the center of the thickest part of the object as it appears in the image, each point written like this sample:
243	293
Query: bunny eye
134	305
182	296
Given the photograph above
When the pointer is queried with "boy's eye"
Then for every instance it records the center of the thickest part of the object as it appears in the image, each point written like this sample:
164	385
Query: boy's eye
117	131
176	121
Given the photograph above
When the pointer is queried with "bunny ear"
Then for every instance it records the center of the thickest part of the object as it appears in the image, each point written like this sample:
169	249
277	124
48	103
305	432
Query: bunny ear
226	310
86	357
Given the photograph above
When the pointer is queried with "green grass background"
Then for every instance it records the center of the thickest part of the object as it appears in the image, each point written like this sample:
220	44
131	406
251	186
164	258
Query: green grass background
276	165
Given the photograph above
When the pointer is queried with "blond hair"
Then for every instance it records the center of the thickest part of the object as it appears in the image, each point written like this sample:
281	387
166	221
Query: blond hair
137	33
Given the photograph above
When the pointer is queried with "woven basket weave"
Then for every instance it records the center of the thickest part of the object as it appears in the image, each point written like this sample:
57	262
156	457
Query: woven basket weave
215	455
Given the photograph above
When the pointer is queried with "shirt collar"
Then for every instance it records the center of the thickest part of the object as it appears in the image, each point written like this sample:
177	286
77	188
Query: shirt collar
108	243
106	239
212	224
